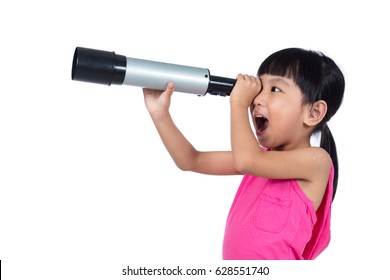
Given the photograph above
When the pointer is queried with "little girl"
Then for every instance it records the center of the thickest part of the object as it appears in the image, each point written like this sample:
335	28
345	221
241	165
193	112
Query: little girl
282	208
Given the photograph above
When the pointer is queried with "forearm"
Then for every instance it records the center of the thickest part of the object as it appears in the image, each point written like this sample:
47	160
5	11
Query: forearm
244	144
179	148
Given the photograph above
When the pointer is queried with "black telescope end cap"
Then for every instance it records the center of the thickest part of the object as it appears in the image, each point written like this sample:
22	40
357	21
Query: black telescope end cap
96	66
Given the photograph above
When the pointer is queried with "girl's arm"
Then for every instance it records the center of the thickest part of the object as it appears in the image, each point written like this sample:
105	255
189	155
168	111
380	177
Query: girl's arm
306	164
181	150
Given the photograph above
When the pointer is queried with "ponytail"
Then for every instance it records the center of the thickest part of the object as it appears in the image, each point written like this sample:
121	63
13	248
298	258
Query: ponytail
329	145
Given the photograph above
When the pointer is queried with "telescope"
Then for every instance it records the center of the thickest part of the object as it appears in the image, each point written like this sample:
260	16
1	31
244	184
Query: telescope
108	68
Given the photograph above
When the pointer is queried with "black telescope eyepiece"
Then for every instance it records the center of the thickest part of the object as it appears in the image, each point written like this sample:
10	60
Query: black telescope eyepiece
96	66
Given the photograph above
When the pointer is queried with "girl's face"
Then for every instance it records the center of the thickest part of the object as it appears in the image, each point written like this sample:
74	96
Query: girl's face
278	114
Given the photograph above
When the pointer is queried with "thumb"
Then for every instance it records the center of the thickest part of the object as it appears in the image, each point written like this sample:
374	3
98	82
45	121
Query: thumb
169	89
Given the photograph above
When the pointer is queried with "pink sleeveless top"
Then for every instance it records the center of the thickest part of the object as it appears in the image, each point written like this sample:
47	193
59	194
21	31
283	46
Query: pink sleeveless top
274	220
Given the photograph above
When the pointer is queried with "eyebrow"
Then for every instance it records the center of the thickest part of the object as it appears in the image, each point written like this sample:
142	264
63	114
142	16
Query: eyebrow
280	80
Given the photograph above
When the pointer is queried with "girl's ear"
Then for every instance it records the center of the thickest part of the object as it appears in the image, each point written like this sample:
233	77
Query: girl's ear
316	112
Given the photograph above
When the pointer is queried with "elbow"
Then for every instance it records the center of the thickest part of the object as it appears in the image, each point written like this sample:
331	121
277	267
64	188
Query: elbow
188	163
193	161
184	166
242	164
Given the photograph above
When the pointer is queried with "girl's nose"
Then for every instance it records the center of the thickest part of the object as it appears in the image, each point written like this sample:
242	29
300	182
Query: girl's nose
259	99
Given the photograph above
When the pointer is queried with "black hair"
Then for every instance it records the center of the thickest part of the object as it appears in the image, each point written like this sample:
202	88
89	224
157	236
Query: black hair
319	78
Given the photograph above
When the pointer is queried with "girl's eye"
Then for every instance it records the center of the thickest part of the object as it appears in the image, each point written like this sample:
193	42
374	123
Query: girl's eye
275	89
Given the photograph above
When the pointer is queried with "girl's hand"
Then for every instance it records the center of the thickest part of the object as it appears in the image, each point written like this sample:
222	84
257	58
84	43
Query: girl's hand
157	101
245	90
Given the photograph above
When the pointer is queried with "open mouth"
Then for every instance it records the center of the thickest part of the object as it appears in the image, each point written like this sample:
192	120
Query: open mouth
261	123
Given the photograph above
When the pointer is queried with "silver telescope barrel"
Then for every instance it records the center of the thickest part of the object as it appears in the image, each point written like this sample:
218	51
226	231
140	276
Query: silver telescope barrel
103	67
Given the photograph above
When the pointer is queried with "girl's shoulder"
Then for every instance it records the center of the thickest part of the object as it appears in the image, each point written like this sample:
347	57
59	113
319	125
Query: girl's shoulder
315	184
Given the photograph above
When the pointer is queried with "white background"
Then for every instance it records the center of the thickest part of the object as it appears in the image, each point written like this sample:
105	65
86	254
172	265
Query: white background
86	187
